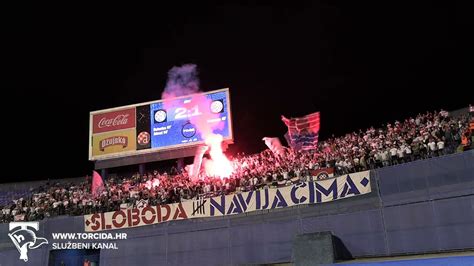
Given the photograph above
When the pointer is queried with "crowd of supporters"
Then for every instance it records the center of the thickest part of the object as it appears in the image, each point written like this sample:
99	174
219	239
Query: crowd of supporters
424	136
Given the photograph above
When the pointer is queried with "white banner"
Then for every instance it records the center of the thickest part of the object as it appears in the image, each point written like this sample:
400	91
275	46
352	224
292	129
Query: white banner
305	193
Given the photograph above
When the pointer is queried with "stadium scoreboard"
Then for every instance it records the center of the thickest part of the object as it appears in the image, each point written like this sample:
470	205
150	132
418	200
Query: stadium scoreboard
155	126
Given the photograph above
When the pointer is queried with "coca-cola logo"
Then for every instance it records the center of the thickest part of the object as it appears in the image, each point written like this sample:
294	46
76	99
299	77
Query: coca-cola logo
118	120
114	120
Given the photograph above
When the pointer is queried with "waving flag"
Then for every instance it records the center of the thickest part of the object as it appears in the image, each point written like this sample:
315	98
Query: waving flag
97	184
302	131
274	145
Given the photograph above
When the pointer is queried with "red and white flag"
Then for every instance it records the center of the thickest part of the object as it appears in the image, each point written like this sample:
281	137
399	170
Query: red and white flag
303	131
307	123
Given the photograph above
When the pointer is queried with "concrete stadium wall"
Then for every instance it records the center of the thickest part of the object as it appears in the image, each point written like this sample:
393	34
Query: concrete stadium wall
419	207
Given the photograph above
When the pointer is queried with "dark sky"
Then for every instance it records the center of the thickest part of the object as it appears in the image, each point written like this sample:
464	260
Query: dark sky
359	64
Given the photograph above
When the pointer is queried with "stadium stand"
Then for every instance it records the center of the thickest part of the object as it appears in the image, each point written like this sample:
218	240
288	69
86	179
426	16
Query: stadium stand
425	136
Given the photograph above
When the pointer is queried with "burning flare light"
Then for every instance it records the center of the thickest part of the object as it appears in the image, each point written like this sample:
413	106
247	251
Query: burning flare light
184	81
219	165
206	123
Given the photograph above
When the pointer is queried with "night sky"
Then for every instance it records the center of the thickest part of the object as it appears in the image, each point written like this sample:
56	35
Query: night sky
359	64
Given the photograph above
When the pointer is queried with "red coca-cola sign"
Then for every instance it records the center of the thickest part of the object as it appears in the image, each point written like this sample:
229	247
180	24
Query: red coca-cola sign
113	120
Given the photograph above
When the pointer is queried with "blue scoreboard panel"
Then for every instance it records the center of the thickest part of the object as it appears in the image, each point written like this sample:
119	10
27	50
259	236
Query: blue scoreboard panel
172	121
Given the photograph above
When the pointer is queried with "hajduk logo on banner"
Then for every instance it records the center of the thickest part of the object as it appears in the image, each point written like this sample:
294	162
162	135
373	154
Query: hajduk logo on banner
303	193
322	173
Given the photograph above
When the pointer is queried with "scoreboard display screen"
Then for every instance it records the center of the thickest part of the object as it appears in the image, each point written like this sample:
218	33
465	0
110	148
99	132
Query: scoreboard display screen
158	125
173	126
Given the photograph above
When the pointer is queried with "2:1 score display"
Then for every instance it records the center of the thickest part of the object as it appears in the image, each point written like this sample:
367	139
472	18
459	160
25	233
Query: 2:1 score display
178	114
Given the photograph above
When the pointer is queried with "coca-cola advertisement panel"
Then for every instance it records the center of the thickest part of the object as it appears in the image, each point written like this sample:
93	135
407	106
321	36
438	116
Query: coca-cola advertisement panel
115	120
114	142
